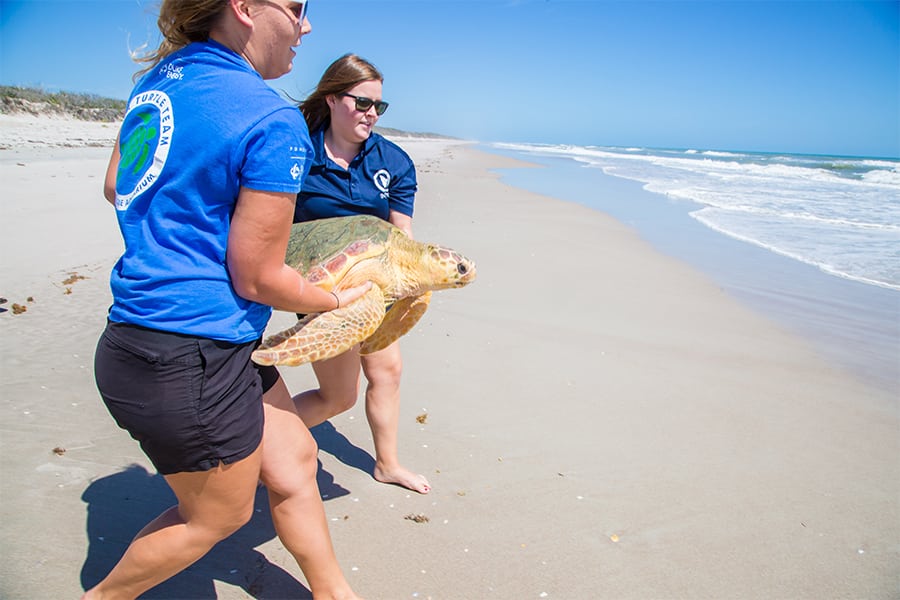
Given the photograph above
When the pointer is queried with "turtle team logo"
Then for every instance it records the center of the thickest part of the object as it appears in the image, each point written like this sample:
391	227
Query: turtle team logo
382	180
144	145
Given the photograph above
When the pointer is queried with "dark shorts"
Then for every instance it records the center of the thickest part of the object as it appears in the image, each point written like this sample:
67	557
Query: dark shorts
191	402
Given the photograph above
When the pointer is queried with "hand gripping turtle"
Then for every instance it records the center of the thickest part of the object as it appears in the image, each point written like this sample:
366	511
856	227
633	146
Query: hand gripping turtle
343	252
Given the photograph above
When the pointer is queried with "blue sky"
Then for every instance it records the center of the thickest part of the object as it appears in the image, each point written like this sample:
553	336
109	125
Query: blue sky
804	76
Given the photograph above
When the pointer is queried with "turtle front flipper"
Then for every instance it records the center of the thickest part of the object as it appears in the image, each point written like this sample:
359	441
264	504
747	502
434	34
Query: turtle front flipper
402	317
324	335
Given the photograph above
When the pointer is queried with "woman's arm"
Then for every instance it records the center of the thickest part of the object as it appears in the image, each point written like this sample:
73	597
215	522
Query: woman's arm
401	221
403	197
257	242
109	183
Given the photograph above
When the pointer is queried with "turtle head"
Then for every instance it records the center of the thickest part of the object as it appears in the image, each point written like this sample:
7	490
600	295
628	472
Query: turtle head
448	267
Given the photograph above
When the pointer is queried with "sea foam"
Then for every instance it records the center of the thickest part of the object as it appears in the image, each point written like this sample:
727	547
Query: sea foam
841	214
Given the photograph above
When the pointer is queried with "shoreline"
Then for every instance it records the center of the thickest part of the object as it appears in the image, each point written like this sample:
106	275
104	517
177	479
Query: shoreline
854	325
600	424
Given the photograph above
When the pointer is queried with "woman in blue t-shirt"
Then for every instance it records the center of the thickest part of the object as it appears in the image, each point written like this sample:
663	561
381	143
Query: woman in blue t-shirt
356	171
204	178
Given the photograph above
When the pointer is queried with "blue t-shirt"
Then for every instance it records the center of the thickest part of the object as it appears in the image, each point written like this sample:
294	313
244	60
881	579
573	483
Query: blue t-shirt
199	126
381	178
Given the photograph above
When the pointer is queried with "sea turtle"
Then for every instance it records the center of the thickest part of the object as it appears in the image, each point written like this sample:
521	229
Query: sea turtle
343	252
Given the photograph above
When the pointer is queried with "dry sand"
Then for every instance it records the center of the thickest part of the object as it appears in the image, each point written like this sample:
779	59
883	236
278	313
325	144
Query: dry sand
600	421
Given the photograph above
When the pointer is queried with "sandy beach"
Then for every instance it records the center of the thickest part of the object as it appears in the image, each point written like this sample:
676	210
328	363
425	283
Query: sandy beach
597	419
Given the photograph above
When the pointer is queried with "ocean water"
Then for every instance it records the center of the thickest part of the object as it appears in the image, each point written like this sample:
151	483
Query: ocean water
839	214
812	241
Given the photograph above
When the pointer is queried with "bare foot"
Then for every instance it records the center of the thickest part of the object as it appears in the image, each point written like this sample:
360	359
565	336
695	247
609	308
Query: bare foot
404	478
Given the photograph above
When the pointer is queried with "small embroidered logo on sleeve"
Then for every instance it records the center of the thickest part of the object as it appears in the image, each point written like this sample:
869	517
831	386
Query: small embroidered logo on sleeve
297	153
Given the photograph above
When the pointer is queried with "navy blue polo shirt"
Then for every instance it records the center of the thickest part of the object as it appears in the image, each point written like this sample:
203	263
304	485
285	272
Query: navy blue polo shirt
381	178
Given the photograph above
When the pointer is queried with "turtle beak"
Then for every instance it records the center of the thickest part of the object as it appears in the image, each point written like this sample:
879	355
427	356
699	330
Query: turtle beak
467	271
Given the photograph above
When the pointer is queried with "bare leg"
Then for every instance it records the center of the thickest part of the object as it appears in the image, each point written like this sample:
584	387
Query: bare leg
338	388
211	506
383	370
289	472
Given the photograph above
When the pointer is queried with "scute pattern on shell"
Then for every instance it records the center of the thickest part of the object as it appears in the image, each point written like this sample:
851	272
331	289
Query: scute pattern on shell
329	247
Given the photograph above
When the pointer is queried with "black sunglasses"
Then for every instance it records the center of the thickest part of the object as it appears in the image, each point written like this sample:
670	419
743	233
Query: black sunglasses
363	104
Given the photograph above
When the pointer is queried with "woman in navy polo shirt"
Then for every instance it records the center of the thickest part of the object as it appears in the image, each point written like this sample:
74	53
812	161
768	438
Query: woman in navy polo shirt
356	171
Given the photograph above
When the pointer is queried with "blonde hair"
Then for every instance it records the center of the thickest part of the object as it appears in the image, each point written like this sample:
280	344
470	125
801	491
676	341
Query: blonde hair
181	22
340	76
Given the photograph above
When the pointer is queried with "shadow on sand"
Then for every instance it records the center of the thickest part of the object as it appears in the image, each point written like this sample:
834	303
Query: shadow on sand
333	442
119	505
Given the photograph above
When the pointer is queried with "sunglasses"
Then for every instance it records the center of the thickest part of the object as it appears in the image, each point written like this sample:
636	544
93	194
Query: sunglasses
300	10
363	104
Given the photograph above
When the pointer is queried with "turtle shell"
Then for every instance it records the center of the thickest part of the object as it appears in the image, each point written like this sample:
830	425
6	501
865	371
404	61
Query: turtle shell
324	250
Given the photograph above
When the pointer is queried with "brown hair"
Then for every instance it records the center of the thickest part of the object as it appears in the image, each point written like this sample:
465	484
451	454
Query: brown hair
181	22
340	76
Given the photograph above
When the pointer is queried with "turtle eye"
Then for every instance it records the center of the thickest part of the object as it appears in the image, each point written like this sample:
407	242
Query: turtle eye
462	268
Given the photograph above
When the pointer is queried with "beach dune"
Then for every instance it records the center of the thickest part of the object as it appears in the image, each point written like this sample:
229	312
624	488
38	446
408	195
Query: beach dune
597	420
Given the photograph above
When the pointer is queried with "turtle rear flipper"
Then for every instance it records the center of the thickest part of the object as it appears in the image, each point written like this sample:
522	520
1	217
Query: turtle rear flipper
324	335
401	318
